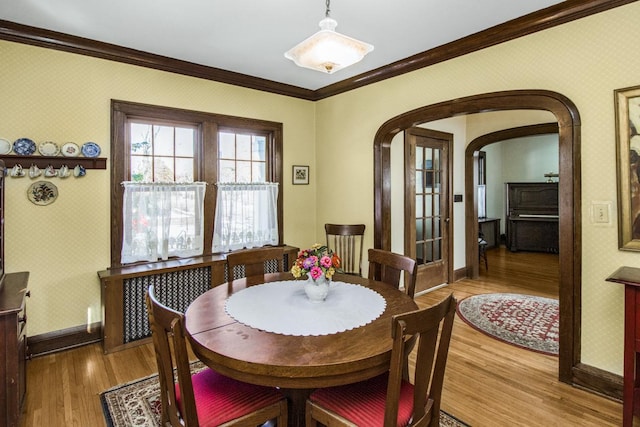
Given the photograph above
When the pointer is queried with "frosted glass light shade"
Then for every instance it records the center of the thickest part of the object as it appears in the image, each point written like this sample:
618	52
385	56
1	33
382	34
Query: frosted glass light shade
327	50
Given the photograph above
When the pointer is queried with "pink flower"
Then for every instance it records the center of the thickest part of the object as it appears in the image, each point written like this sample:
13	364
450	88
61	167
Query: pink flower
325	261
316	272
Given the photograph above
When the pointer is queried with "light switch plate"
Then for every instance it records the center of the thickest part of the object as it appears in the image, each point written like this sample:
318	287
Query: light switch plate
601	212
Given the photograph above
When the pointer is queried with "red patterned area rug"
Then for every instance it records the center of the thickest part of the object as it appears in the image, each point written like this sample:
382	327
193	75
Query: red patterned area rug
138	404
526	321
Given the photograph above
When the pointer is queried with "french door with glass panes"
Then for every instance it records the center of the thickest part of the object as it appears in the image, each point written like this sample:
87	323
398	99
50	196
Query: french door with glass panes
427	204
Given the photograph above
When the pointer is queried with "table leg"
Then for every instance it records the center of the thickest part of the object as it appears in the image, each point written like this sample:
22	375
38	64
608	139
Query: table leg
297	402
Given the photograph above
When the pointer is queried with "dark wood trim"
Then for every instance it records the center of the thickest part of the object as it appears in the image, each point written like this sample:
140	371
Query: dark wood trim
570	254
552	16
599	381
64	339
471	172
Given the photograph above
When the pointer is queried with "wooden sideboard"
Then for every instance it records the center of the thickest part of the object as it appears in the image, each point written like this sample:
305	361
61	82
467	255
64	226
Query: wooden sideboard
13	356
630	278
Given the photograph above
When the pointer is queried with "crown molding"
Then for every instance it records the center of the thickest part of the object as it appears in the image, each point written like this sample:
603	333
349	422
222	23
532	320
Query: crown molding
558	14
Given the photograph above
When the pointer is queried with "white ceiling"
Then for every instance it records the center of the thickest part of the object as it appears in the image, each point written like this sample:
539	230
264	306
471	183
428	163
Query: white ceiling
251	36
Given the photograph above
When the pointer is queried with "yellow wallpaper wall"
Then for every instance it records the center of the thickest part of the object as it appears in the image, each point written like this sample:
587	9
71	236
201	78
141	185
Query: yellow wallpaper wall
584	60
57	96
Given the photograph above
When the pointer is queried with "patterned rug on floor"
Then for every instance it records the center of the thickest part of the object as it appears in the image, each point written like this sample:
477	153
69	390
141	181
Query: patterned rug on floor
138	404
526	321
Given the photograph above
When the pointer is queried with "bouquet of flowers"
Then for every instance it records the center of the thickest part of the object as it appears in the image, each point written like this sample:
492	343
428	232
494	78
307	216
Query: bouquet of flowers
316	262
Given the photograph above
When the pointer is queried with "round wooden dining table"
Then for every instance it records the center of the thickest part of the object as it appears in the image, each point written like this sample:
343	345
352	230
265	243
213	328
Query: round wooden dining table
295	364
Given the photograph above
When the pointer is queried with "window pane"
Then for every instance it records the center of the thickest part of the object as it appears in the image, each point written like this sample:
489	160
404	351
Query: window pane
184	170
419	206
140	169
163	169
140	138
259	173
227	145
243	172
184	142
243	146
227	171
163	141
419	183
259	148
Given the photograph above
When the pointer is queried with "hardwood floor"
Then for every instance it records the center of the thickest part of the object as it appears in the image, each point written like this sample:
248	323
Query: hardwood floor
488	383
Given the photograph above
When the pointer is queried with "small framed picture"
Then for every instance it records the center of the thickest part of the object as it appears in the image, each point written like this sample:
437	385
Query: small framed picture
300	175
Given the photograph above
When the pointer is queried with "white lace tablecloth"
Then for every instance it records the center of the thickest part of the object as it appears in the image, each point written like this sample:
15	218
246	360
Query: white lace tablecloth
283	308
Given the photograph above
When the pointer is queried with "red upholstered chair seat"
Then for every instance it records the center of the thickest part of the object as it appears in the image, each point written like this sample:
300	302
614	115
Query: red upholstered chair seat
363	403
220	399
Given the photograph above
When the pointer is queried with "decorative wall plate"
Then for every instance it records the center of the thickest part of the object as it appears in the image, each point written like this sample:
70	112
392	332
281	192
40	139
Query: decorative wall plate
42	193
70	149
49	148
90	149
24	147
5	146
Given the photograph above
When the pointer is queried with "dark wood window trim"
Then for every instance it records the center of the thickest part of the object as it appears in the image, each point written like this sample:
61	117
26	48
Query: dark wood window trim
206	167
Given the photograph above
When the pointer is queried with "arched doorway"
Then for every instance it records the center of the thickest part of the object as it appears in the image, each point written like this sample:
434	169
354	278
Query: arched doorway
570	256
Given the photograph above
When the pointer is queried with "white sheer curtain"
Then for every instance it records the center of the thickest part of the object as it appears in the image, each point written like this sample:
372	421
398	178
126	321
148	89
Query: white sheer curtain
162	220
246	216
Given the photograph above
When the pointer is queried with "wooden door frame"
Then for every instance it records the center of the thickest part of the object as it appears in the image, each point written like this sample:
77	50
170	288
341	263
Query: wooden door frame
570	253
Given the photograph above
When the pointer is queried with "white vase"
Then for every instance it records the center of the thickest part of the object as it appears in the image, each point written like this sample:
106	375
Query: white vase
316	290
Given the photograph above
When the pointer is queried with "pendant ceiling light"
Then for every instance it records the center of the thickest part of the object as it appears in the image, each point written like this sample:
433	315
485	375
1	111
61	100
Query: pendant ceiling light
327	50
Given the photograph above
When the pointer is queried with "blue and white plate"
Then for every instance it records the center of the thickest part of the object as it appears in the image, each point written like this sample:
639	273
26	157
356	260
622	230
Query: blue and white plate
90	149
24	147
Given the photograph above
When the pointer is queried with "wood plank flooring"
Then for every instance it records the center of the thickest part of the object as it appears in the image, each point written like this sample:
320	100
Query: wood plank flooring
488	383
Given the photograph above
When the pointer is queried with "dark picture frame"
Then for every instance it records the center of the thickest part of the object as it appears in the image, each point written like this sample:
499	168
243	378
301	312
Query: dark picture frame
300	175
627	102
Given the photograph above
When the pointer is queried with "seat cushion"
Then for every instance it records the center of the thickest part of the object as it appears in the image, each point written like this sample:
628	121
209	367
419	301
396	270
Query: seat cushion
220	399
364	403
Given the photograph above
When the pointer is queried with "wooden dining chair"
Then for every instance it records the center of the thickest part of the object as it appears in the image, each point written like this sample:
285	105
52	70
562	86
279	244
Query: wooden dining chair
386	267
388	400
347	242
255	261
206	398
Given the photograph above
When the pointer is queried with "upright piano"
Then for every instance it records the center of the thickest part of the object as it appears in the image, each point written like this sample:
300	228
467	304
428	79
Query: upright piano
532	216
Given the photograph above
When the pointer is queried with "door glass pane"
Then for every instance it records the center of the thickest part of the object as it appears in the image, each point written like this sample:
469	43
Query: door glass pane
428	161
436	227
419	229
419	183
428	253
419	206
437	251
428	229
428	203
419	158
419	253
